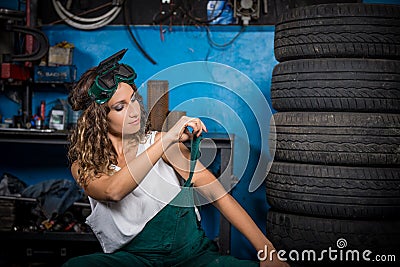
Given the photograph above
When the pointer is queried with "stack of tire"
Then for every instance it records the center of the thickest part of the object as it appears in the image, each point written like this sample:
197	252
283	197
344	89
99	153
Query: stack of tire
335	179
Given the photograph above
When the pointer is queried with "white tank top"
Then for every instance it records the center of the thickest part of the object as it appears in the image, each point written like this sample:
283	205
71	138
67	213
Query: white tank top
117	223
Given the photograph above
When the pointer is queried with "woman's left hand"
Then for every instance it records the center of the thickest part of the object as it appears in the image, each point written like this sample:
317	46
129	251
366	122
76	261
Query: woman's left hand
180	131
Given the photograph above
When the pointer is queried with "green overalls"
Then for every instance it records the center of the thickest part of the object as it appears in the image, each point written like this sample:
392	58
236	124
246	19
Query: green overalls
173	237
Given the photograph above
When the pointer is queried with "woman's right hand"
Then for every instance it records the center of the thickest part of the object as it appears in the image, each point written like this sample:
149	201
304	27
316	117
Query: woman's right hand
180	132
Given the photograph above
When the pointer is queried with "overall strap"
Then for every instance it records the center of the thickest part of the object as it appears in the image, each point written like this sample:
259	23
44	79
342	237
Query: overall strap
194	155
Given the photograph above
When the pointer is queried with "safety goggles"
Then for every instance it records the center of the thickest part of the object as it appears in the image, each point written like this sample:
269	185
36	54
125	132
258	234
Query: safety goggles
110	74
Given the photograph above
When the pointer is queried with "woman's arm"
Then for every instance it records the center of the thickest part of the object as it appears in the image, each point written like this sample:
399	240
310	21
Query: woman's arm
240	219
115	187
206	183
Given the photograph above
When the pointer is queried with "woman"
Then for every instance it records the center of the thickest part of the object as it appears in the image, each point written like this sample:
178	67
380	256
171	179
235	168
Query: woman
140	213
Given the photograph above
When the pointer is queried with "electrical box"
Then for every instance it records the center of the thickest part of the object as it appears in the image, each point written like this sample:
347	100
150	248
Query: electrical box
60	56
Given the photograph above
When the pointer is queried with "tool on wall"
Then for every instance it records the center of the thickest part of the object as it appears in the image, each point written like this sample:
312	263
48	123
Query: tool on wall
42	44
23	44
14	31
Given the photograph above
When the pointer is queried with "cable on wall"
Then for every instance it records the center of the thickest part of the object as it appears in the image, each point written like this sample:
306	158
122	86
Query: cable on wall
217	45
127	24
186	9
83	23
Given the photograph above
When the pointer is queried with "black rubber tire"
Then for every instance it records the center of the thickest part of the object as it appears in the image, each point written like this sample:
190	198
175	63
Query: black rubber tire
337	138
295	232
339	30
343	84
334	191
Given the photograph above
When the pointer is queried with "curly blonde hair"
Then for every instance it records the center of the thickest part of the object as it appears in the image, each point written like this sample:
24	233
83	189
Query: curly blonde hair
90	146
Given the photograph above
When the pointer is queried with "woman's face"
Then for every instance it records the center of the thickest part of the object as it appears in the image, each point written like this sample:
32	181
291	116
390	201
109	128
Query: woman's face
124	111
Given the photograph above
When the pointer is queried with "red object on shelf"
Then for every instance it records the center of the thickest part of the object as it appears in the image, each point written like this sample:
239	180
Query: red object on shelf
14	71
